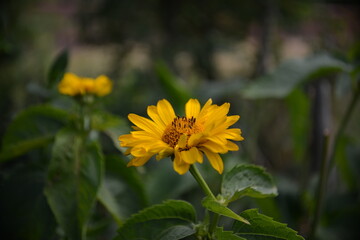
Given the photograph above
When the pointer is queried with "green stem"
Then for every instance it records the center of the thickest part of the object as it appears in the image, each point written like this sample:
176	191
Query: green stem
320	193
330	158
196	174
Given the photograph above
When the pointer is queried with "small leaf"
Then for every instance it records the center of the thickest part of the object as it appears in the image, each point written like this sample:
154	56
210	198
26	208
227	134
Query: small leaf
216	207
247	180
220	234
158	221
290	74
74	176
262	227
32	128
58	68
176	232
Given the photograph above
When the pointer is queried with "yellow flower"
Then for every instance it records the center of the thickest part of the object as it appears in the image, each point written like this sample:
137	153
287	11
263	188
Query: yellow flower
186	139
73	85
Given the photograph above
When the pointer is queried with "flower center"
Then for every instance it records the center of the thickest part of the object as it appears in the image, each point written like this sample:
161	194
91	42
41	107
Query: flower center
178	127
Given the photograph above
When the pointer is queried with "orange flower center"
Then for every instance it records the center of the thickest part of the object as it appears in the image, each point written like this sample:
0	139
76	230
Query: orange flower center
178	127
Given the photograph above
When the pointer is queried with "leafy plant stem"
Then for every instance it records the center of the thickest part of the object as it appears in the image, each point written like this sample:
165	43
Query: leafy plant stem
196	174
330	158
343	124
320	193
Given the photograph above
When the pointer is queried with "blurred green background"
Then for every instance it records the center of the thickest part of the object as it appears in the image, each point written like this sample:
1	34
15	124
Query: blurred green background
288	68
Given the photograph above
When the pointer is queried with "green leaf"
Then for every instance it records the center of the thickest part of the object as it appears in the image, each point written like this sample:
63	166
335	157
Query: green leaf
262	227
159	221
58	68
25	213
292	73
247	180
74	176
177	94
220	234
32	128
219	208
176	232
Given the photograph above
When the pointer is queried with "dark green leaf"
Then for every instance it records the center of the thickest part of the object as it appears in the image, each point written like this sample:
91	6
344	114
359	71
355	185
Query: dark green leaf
176	232
247	180
177	94
32	128
290	74
220	234
74	176
159	221
25	213
262	227
58	68
219	208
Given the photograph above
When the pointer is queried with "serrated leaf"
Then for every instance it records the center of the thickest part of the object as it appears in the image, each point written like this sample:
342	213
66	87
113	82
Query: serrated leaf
220	234
74	176
247	180
151	222
32	128
217	207
290	74
262	227
58	68
176	232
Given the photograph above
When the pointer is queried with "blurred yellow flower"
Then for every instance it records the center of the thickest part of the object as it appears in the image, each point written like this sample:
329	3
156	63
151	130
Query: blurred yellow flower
186	139
73	85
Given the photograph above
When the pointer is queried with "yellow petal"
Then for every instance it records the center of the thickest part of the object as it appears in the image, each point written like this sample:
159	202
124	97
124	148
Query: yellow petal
205	109
164	153
215	160
182	141
195	139
139	161
233	134
153	114
214	147
165	111
138	152
145	124
232	146
192	108
180	166
189	156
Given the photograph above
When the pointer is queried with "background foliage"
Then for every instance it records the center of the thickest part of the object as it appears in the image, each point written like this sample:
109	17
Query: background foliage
289	68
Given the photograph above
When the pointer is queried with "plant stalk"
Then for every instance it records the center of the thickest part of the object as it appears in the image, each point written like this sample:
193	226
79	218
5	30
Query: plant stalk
196	174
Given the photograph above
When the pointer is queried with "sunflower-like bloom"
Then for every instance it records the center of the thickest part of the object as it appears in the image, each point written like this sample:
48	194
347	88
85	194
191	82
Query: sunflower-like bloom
74	85
186	139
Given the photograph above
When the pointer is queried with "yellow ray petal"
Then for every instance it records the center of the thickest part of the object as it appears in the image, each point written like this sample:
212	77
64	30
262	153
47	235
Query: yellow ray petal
182	141
232	146
215	160
192	108
139	161
189	156
165	111
154	115
195	139
145	124
214	147
180	166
